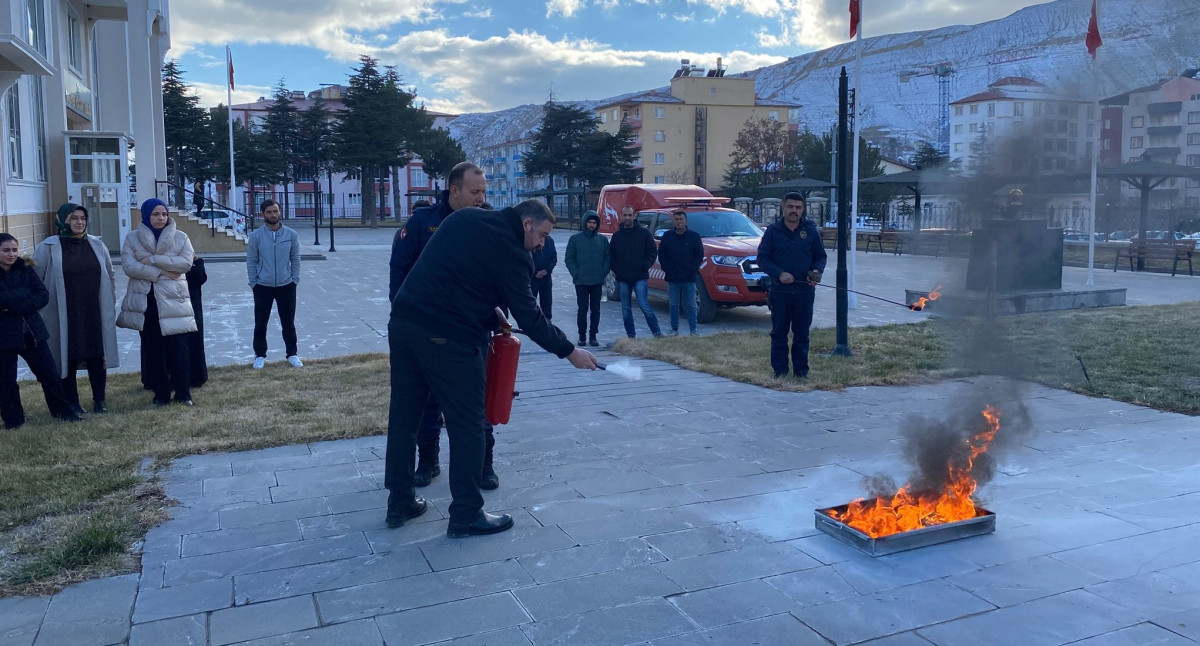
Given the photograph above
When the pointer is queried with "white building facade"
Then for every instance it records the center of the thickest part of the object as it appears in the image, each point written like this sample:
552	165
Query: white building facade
81	85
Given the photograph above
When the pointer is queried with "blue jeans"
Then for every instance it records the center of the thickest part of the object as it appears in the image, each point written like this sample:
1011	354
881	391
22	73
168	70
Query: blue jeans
685	292
639	289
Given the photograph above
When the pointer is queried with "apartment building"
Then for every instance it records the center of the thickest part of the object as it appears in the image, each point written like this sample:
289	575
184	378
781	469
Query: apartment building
1019	127
686	135
505	169
1159	122
80	83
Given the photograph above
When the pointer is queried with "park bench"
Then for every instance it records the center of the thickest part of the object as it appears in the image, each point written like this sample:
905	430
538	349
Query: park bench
829	237
1173	250
890	236
914	242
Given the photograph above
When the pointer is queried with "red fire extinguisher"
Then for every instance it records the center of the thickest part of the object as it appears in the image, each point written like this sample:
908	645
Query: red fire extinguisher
503	353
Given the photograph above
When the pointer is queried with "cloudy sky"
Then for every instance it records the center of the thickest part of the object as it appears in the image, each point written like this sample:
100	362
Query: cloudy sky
465	56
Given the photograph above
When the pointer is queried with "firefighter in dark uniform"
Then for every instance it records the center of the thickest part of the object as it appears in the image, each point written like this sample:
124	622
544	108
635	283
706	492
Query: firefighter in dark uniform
791	253
478	262
466	185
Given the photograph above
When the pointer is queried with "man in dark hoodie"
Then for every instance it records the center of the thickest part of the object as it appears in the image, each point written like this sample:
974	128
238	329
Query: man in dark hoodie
479	261
680	253
466	186
793	256
587	260
633	253
542	284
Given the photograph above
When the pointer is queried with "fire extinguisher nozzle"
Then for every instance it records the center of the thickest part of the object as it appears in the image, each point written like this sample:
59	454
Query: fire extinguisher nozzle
601	366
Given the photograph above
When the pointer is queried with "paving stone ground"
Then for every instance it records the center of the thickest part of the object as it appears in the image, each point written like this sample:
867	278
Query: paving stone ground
677	510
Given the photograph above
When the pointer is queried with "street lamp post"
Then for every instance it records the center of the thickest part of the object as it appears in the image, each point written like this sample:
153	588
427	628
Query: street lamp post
330	175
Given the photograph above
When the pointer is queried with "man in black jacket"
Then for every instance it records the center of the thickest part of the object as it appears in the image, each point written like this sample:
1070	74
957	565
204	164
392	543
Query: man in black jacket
542	285
466	185
478	262
633	253
792	255
680	253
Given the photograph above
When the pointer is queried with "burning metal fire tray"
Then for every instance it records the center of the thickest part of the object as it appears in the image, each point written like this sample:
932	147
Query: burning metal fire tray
983	523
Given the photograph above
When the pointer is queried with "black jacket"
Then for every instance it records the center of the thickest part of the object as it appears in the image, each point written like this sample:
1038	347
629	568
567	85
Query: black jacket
476	263
632	253
679	256
796	252
22	294
411	240
546	259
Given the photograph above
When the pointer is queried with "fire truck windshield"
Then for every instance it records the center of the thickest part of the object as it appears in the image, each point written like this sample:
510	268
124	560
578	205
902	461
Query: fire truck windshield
723	224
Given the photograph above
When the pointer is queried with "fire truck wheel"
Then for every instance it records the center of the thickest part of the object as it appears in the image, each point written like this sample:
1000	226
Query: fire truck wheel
706	309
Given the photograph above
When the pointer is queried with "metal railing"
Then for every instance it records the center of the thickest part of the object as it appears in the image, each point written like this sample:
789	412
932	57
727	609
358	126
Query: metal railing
198	203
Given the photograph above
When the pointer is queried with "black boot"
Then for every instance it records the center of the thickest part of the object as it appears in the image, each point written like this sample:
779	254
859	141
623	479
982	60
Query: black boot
582	340
427	463
592	341
399	511
490	480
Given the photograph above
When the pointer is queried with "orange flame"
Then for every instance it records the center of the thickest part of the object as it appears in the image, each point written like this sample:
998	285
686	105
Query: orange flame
933	295
906	511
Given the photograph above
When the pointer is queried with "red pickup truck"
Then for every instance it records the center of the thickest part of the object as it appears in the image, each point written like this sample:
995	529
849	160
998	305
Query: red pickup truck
729	274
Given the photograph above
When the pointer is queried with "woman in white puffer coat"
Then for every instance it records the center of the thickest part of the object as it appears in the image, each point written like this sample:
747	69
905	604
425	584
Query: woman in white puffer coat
156	256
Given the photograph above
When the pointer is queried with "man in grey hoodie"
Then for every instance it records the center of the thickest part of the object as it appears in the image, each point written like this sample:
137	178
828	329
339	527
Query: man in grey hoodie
587	260
273	269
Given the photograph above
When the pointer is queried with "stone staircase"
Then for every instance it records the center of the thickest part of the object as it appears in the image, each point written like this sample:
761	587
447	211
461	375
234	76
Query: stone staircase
203	238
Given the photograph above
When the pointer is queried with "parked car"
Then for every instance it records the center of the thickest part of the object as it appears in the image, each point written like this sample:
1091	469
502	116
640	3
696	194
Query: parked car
1120	236
1191	236
1159	235
223	219
1082	237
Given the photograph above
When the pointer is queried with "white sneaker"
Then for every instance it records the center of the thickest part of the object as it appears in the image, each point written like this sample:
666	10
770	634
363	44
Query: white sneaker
295	361
259	362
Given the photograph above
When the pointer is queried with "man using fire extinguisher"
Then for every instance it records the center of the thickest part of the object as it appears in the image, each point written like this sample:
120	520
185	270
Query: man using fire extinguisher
466	186
478	262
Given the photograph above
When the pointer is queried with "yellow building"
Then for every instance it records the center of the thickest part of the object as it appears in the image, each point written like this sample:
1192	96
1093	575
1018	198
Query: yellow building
686	136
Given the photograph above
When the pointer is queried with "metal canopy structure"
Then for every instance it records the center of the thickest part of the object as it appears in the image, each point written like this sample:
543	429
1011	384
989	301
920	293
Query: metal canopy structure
1145	176
919	182
802	185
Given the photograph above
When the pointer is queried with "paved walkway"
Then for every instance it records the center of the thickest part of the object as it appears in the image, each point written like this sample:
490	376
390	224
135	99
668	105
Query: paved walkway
672	511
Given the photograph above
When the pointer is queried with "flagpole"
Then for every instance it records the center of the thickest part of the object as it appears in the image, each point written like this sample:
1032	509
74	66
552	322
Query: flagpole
1096	141
229	109
853	298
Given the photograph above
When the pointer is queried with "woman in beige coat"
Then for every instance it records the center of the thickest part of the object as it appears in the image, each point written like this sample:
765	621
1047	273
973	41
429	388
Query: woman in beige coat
81	315
156	256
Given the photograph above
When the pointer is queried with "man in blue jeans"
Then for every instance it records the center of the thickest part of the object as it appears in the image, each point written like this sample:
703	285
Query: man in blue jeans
792	255
680	253
632	252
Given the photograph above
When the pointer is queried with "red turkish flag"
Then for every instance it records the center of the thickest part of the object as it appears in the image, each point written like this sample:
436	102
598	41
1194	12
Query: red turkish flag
853	17
229	64
1093	39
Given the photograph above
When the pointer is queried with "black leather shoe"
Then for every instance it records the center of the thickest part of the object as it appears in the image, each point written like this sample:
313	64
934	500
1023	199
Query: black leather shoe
490	480
592	341
99	407
582	342
186	401
78	410
424	475
161	402
71	416
398	514
485	524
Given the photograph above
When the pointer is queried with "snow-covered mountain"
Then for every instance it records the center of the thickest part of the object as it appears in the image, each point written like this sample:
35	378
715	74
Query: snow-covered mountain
1144	41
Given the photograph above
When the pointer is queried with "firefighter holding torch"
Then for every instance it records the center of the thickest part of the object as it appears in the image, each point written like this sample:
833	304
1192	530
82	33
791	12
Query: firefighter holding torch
478	262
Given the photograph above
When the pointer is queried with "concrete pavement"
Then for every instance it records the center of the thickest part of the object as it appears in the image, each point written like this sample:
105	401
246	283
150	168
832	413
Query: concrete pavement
671	511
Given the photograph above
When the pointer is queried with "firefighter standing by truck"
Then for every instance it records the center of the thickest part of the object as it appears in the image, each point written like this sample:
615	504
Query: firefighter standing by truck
793	256
477	263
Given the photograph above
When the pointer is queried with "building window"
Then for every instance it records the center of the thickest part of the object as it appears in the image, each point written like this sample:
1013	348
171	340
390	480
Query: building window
991	111
975	108
958	129
13	124
603	117
958	147
1137	122
660	179
660	135
637	113
39	128
1108	124
1193	160
773	115
1018	109
1194	117
74	41
614	114
35	18
354	199
974	127
660	159
1108	144
1194	138
1073	129
958	110
1135	142
417	177
712	91
660	113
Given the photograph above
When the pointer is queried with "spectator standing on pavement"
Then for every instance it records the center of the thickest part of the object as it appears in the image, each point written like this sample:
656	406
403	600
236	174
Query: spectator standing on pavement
198	196
465	187
23	334
197	359
587	260
680	253
479	260
542	283
273	270
791	253
632	252
81	315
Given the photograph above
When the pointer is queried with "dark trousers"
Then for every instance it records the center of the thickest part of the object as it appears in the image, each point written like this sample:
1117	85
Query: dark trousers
587	296
41	363
167	362
791	311
425	363
284	297
543	292
97	371
430	431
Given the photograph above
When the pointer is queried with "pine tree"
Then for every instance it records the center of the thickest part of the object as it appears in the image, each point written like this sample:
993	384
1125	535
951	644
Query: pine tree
186	132
281	130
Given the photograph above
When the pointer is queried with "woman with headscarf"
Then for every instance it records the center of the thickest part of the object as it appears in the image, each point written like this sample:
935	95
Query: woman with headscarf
81	314
156	258
22	334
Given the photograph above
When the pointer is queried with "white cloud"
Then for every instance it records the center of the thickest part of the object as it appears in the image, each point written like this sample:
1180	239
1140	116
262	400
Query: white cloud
213	94
482	14
566	8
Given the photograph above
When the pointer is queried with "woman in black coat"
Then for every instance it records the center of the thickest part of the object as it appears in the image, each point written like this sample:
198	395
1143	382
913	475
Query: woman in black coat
23	334
196	276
